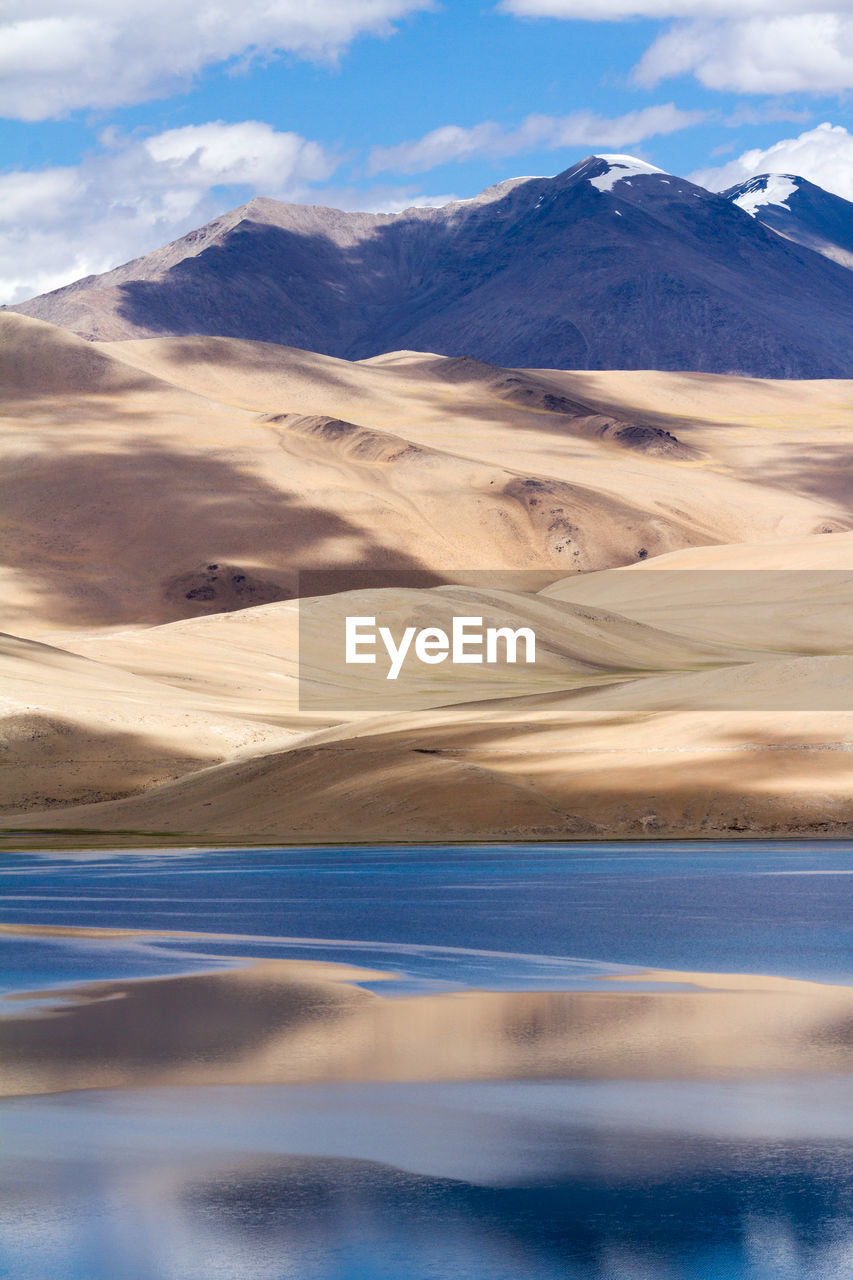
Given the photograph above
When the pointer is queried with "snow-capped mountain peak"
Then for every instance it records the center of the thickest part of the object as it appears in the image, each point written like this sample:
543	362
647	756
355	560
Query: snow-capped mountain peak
799	211
620	167
612	264
768	188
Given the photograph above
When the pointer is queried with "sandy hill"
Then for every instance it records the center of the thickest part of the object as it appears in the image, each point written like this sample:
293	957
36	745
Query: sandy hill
794	595
162	497
670	757
74	730
38	359
132	497
627	729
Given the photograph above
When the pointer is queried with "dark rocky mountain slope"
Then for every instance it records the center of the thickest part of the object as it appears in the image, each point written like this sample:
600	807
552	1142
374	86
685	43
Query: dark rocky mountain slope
612	264
801	212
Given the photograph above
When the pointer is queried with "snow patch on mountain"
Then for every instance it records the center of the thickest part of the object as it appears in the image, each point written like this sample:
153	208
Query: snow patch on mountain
620	167
770	188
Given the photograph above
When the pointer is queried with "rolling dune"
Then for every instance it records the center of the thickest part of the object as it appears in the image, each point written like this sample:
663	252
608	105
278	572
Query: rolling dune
162	497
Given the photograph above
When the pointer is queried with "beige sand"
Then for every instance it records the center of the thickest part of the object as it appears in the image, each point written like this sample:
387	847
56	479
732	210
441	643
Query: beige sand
794	595
161	496
74	730
120	489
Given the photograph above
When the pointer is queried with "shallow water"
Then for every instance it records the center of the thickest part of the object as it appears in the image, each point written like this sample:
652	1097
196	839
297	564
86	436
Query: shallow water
743	1175
498	917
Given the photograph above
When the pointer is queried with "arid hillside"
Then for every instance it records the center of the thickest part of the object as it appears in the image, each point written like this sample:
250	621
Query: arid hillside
680	543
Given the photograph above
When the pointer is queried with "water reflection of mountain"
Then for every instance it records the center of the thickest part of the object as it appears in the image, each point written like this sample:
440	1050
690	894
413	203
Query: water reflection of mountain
285	1021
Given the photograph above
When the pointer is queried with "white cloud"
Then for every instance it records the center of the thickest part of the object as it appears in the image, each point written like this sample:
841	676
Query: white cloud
747	113
580	129
806	52
109	53
823	155
613	10
62	223
749	46
250	152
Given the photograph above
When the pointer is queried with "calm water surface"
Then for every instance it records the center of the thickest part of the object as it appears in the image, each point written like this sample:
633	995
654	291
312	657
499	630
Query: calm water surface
580	1180
500	917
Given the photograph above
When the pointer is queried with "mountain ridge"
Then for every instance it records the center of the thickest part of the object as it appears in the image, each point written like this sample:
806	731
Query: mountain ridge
611	264
800	211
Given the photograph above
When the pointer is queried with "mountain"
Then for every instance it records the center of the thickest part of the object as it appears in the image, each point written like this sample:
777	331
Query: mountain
799	211
612	264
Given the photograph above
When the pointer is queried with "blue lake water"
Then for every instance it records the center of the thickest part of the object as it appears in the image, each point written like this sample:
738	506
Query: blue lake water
600	1179
499	916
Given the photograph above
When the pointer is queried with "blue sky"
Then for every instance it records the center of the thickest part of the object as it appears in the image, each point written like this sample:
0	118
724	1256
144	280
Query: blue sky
126	123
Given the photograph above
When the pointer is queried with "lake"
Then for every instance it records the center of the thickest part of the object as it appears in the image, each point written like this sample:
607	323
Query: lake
604	1061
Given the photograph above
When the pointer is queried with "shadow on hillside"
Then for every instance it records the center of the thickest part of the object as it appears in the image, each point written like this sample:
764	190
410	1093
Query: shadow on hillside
266	284
586	385
50	762
502	283
822	471
495	780
103	536
303	290
261	356
488	780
